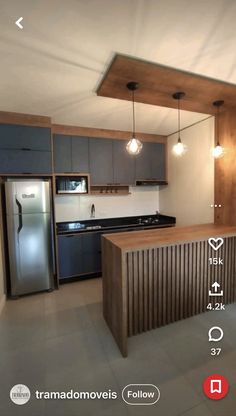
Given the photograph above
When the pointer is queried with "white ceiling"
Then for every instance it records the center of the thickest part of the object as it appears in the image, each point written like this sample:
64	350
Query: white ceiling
53	66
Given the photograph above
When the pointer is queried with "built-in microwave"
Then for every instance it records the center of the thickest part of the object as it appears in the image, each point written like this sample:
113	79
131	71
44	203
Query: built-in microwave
72	184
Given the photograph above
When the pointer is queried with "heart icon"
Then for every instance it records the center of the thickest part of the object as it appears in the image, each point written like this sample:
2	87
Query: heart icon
215	243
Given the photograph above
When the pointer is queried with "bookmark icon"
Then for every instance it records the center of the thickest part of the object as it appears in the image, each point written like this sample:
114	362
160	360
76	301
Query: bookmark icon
215	387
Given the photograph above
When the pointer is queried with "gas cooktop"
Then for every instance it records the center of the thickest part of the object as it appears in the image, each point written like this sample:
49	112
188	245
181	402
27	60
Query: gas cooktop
148	221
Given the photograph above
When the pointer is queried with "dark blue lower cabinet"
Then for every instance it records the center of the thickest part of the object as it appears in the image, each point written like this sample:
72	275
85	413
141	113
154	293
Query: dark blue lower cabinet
70	255
91	248
79	254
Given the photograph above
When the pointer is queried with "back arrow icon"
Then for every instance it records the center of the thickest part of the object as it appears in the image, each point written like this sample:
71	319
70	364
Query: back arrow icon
18	22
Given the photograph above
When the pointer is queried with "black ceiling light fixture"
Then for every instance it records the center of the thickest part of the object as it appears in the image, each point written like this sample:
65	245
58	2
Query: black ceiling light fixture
218	150
179	148
134	146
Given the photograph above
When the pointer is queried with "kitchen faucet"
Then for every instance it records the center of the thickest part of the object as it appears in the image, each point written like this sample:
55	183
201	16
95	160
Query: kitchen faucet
92	211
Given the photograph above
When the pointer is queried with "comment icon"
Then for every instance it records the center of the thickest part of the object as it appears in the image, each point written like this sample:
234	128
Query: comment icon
215	334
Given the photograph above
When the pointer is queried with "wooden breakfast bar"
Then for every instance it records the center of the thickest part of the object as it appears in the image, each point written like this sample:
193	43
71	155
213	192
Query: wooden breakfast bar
154	277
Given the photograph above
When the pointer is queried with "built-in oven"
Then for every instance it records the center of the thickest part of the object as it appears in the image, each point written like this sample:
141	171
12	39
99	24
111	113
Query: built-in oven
72	184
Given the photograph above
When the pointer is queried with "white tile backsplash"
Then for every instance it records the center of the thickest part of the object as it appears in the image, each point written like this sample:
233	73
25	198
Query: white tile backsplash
141	201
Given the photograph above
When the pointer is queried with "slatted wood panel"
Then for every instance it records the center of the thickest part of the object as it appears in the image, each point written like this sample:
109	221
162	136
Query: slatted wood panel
115	304
171	283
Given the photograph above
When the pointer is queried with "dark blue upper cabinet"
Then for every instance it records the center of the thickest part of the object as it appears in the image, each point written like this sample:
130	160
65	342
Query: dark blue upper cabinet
25	137
158	161
80	154
151	162
62	153
123	164
100	161
143	163
71	154
25	149
25	161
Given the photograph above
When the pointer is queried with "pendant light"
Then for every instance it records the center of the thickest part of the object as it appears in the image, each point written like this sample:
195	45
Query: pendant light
179	148
134	146
218	150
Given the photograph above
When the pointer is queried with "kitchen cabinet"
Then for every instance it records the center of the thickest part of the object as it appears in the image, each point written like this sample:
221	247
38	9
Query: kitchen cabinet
70	154
79	254
158	161
79	154
18	137
91	251
25	149
62	153
25	161
123	164
100	161
70	255
143	163
107	160
151	162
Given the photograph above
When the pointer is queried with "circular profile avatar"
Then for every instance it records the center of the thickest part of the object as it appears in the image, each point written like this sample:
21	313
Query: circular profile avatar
20	394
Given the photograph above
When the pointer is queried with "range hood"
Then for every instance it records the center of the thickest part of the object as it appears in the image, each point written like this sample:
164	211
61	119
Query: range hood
151	182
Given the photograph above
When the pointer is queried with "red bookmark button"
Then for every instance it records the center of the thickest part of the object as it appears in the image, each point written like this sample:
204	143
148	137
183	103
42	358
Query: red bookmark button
215	387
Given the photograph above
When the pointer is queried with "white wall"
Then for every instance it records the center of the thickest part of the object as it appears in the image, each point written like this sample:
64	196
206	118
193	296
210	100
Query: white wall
141	201
191	177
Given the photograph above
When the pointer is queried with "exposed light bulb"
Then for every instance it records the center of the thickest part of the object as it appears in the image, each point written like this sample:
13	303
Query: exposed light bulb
134	146
218	151
179	148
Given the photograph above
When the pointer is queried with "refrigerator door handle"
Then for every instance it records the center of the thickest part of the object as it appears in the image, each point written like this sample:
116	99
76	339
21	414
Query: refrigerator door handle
19	216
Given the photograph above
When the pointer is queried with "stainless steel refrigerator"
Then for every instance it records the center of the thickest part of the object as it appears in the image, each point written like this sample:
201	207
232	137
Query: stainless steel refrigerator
30	238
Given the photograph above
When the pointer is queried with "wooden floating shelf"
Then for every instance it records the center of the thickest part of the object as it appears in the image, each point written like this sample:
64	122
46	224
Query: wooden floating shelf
109	190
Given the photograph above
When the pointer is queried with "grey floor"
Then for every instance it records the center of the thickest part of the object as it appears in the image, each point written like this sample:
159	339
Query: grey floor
59	341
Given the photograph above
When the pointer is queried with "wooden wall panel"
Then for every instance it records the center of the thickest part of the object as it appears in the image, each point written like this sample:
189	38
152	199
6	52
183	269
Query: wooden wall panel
24	119
106	133
225	171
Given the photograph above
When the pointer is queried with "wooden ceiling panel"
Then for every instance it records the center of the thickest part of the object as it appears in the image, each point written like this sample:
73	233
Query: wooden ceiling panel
158	83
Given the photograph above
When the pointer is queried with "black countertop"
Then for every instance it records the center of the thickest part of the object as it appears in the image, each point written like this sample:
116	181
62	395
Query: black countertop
105	224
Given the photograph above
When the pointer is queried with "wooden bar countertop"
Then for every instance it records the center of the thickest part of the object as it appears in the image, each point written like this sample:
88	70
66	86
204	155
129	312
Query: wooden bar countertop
160	237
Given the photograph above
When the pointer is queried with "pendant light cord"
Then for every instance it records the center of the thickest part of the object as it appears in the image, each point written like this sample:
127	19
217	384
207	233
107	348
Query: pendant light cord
179	120
218	104
133	115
